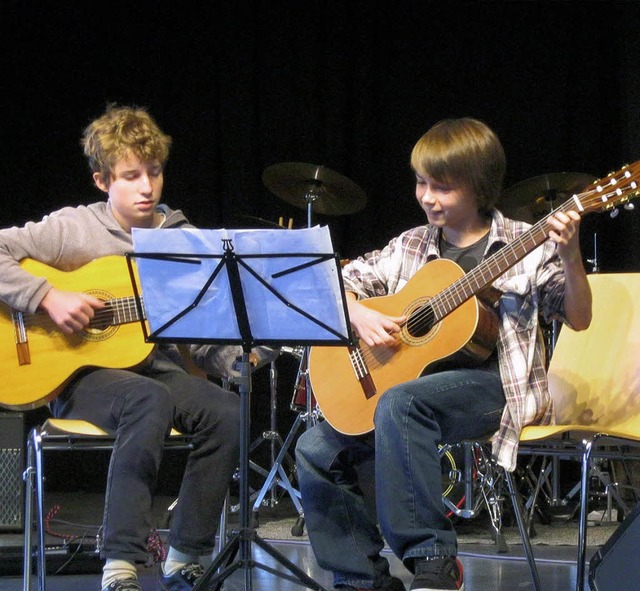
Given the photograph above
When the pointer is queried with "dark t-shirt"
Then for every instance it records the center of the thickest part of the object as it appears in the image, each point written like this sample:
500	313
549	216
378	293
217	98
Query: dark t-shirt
469	257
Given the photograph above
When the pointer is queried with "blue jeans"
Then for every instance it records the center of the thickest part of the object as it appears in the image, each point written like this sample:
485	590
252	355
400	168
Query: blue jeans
411	419
141	409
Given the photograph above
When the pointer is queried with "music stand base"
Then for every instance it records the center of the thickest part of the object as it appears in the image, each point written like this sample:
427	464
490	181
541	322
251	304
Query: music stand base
224	566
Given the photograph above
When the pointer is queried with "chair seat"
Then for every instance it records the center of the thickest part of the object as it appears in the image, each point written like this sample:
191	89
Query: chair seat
595	387
82	428
538	432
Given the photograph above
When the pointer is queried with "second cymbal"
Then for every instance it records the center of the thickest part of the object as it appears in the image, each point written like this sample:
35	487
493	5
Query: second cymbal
300	184
532	199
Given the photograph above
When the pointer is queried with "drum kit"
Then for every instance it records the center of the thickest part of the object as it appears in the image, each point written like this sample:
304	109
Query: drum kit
318	189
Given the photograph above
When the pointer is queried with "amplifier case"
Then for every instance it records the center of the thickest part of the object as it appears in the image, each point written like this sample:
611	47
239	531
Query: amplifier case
12	451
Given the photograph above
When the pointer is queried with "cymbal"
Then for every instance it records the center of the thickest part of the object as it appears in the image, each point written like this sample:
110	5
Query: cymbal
532	199
299	184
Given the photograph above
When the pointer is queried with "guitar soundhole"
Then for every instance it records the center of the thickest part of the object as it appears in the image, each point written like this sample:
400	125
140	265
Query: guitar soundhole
102	325
102	321
420	321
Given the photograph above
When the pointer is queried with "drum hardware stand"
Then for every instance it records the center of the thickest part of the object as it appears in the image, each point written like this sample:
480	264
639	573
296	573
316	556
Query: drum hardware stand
594	261
310	417
276	476
483	482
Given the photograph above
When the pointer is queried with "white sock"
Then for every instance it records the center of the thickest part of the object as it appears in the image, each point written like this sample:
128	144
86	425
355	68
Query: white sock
115	570
206	560
176	560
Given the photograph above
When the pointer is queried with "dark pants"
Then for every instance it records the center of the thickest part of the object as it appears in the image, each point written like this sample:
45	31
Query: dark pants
141	410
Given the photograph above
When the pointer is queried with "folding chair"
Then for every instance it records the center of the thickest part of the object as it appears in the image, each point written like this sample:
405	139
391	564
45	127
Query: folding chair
594	380
64	435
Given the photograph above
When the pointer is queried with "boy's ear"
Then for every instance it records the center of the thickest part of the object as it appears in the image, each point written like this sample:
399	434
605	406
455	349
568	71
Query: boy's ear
97	179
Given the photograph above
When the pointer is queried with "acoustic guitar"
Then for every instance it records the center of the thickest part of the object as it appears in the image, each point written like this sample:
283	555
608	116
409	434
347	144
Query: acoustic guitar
37	360
450	321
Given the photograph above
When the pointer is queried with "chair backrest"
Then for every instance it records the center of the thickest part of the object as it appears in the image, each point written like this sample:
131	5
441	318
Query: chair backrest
594	375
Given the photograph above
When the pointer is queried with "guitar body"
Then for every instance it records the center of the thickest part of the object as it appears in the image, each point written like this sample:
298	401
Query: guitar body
463	338
34	372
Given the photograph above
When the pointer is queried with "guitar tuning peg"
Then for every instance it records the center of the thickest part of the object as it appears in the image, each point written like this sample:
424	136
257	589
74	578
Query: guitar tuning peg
614	212
629	206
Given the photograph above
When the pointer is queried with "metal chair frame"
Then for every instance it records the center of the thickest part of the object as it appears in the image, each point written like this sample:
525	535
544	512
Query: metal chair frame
63	435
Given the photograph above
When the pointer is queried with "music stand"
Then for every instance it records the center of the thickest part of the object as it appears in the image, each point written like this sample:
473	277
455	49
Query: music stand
210	269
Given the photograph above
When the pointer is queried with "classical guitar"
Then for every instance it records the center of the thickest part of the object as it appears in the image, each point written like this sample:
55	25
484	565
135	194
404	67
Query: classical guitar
450	322
38	360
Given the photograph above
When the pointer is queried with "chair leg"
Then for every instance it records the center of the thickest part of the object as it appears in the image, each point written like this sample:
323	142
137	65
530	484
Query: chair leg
522	527
28	477
584	511
39	483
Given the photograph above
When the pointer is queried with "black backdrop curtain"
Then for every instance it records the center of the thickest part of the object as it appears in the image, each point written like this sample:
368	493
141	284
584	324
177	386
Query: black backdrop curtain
349	85
241	85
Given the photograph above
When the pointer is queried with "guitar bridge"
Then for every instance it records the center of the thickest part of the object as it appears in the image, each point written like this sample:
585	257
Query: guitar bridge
362	372
20	334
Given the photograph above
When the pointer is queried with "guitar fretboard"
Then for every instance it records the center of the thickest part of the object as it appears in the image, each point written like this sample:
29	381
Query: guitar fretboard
618	188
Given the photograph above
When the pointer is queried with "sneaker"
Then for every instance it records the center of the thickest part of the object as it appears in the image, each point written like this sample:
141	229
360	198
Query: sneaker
438	574
388	584
124	585
183	579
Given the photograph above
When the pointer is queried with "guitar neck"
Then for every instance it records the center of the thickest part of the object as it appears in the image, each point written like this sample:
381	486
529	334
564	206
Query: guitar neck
480	277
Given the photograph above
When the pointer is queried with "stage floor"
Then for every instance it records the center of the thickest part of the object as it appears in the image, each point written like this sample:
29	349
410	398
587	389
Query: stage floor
482	570
75	566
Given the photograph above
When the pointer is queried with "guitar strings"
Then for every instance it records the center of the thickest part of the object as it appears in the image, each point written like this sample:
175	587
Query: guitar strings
121	309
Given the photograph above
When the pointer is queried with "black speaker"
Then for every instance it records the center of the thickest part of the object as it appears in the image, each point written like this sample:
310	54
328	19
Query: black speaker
614	567
12	445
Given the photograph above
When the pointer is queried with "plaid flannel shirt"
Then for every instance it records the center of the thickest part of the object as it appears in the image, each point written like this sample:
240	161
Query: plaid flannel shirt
532	288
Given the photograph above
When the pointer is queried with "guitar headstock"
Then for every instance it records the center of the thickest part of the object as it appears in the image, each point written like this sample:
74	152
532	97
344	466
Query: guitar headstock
617	188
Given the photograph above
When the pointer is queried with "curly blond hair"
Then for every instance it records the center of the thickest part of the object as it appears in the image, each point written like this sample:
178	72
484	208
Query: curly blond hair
119	133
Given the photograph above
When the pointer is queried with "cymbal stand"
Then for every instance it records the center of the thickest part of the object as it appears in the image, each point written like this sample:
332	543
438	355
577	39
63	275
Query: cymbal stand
277	461
594	260
310	412
309	417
